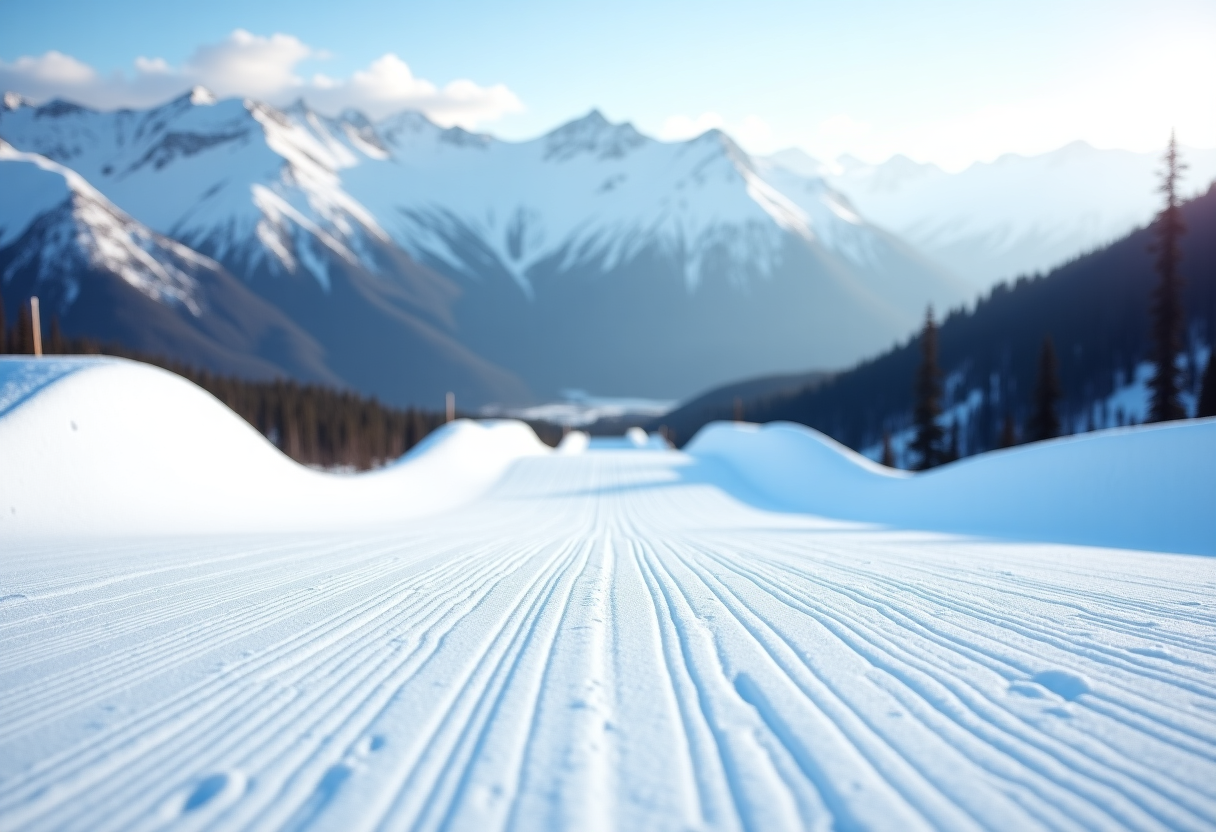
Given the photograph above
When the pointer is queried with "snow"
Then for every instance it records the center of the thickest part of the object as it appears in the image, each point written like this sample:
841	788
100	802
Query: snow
1148	488
81	223
579	409
617	638
120	448
30	190
1017	215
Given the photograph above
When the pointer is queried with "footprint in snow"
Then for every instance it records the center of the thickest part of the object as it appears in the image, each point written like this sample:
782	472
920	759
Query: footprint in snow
212	790
1063	683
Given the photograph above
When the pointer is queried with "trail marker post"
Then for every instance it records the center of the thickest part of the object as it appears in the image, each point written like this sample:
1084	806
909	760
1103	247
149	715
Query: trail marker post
37	325
451	409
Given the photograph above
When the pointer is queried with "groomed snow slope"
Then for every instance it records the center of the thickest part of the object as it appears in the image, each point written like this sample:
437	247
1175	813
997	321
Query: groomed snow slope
612	639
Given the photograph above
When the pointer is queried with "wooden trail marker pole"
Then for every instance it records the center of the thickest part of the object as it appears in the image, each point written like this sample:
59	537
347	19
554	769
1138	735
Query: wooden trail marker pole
451	409
37	326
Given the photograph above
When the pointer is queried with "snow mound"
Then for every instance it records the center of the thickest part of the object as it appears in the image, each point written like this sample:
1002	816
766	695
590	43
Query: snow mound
103	446
1148	487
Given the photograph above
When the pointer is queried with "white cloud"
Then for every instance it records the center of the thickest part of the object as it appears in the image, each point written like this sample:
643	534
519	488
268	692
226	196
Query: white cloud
388	85
264	68
752	132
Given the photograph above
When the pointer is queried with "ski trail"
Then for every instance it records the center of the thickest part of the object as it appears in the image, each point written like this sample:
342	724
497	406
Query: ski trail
605	641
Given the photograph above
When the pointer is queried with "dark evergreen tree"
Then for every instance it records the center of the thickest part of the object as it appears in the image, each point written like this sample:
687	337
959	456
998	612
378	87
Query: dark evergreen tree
927	442
1045	418
1009	434
57	345
22	338
952	449
1207	388
1166	313
888	453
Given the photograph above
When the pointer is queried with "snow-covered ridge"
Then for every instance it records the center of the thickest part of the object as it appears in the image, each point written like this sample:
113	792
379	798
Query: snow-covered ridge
255	186
1017	215
77	228
101	446
1102	488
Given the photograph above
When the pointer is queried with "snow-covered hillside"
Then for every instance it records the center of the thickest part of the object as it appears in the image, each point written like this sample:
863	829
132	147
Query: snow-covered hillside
103	447
232	177
99	271
625	638
81	230
1018	215
1102	488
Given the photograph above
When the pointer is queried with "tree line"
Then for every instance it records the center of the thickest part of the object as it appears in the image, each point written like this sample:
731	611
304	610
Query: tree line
932	445
312	424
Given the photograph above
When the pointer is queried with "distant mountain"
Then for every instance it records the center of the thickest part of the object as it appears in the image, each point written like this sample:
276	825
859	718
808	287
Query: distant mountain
1096	310
424	259
205	178
99	271
413	260
1018	215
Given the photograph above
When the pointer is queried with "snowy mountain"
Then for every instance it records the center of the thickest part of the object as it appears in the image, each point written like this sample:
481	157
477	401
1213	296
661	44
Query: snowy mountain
156	164
593	256
1018	215
100	271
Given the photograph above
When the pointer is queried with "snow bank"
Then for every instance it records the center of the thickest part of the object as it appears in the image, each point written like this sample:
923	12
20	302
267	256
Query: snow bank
101	446
573	443
1148	487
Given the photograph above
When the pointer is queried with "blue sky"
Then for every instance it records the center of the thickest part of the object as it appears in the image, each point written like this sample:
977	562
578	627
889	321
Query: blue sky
950	82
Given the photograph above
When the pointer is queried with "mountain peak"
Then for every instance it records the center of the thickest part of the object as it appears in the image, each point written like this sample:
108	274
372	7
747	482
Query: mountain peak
592	135
15	100
59	107
200	95
798	161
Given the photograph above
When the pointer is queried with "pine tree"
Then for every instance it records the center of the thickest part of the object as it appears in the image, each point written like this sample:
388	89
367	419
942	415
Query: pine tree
888	453
56	345
927	442
22	337
1166	327
1009	435
1045	419
952	449
1207	388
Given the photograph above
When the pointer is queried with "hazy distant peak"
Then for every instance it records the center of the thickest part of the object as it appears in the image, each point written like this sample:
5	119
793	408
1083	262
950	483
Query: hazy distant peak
796	160
15	100
57	107
592	135
201	96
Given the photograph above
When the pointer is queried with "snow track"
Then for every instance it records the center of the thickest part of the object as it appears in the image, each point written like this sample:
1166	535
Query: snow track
608	640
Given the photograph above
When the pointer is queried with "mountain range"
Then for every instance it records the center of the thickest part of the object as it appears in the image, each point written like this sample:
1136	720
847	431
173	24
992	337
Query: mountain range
406	260
1017	215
